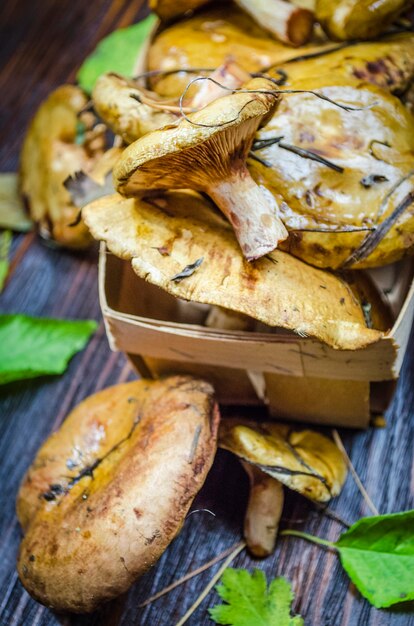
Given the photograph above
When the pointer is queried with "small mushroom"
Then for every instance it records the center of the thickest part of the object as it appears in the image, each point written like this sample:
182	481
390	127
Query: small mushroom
275	455
207	152
111	488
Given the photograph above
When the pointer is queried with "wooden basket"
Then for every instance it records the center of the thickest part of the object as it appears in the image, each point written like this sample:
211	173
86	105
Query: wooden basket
297	378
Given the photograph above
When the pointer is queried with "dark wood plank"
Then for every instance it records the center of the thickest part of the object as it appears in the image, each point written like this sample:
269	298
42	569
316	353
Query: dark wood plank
43	43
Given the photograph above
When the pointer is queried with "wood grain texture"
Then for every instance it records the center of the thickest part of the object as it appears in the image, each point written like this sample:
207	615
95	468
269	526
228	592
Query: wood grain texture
43	43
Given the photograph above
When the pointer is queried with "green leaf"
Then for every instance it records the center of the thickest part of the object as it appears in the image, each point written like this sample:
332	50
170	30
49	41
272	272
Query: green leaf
251	603
12	212
35	346
118	52
5	244
378	555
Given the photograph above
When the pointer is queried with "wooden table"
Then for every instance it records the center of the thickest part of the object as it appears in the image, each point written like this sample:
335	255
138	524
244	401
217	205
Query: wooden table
43	43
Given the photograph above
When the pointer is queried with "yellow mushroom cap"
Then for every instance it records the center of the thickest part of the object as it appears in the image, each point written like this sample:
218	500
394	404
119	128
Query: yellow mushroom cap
304	461
200	150
278	289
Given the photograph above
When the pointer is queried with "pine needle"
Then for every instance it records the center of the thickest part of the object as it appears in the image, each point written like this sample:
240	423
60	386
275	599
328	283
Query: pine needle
190	575
353	471
211	584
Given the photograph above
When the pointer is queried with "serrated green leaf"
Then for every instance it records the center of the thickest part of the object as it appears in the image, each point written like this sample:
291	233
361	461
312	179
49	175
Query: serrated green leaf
13	215
5	244
251	603
118	52
36	346
378	555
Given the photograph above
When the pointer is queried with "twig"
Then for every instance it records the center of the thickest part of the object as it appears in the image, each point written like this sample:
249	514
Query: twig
372	240
274	92
353	471
162	106
190	575
211	584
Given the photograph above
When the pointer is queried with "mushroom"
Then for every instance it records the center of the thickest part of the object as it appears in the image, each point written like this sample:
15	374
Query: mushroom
207	152
213	34
356	19
349	195
388	63
111	488
289	23
178	242
263	513
275	455
131	111
61	140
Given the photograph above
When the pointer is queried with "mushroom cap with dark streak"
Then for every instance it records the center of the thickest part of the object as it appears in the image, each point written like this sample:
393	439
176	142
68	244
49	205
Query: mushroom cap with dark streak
302	460
111	488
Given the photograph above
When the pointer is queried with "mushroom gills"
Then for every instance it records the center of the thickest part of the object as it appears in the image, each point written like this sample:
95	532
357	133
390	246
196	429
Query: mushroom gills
207	152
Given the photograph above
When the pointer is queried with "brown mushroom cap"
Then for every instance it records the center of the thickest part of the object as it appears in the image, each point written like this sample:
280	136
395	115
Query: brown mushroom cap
304	461
110	489
195	154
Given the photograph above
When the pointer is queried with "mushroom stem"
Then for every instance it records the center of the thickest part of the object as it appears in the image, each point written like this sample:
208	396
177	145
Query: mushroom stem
263	513
289	23
252	211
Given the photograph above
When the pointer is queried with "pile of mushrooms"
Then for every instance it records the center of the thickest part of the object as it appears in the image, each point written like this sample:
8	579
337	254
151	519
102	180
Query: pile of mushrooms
238	187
